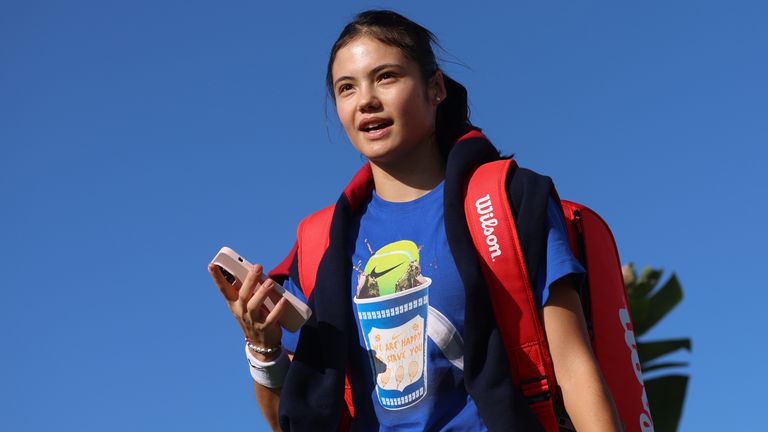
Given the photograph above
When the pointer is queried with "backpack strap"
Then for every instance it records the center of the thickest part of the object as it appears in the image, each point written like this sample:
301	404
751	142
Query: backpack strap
494	233
313	237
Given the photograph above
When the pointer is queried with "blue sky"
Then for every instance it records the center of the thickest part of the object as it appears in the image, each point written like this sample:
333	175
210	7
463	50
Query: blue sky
139	137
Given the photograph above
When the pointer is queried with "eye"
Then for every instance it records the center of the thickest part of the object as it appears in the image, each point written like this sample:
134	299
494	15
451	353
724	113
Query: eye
386	76
344	87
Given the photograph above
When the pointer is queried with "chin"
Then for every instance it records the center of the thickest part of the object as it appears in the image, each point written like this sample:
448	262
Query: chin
375	149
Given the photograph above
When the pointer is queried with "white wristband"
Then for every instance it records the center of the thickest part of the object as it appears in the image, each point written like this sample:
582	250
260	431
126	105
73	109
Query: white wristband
269	374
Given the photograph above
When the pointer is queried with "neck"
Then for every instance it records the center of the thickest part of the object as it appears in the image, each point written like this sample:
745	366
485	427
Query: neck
411	177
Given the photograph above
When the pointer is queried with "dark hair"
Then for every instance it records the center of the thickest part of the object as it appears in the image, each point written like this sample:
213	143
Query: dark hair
415	41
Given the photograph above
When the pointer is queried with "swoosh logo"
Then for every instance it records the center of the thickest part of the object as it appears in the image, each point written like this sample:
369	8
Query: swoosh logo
376	274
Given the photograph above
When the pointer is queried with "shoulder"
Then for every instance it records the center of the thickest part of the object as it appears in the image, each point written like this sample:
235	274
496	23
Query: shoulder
521	180
528	189
313	235
316	222
312	230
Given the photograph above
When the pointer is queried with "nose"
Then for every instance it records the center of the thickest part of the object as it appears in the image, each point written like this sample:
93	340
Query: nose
368	101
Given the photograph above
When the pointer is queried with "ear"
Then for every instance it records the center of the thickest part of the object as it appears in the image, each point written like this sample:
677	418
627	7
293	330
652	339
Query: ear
437	90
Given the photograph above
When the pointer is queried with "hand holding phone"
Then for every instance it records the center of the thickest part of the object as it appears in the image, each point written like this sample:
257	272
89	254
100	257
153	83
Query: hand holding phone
234	267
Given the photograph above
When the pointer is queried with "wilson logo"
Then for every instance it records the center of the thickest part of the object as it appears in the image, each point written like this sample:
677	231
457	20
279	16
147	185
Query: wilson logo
488	222
646	425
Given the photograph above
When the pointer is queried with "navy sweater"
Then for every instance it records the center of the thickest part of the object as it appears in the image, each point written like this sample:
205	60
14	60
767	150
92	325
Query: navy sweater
312	396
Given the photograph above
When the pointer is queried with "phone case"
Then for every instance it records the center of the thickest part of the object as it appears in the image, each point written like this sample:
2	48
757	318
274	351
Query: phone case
297	312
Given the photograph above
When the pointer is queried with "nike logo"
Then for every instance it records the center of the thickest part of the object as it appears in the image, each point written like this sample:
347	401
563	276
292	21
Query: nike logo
375	274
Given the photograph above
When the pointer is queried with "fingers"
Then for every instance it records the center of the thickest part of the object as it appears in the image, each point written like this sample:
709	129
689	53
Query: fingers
228	290
246	302
251	283
255	304
277	312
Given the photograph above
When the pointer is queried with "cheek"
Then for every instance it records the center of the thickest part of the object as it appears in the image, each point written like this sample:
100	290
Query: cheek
419	112
345	116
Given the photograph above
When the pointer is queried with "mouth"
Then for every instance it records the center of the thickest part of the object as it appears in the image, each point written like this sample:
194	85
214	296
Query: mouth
375	128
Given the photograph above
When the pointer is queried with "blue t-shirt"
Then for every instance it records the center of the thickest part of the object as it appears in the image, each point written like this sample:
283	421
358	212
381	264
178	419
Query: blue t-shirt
409	307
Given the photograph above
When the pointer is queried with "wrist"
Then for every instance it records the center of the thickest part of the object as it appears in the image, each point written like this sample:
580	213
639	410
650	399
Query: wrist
268	373
264	357
263	351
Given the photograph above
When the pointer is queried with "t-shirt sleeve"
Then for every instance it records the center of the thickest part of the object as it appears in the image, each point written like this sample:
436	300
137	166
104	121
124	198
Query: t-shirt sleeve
291	339
560	261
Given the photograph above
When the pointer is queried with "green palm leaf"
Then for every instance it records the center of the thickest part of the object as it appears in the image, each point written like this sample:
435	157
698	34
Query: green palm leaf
665	397
649	351
649	305
665	365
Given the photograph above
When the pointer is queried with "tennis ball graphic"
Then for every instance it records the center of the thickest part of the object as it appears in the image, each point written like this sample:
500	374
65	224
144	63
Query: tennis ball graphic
390	263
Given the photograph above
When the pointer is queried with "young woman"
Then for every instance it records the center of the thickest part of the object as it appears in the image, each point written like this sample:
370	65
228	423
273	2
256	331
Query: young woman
411	123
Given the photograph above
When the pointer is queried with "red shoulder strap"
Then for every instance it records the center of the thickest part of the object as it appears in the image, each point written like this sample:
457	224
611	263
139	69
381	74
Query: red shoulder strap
313	237
492	226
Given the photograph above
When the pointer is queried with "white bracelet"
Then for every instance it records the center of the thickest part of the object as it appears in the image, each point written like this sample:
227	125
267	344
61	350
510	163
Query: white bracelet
269	374
262	350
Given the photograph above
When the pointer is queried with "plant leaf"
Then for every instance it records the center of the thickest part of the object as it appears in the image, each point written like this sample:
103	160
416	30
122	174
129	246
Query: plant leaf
665	397
638	309
657	366
649	278
648	351
659	305
628	273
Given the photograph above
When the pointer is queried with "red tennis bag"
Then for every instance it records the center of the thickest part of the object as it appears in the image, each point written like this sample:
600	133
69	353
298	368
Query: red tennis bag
489	217
603	296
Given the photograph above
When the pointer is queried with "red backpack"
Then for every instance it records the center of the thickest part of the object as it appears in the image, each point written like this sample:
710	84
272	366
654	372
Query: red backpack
494	234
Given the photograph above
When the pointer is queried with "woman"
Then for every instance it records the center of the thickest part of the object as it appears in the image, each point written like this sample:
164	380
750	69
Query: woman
405	116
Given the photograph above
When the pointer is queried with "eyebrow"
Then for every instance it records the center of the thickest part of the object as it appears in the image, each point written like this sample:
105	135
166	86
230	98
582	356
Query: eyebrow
373	71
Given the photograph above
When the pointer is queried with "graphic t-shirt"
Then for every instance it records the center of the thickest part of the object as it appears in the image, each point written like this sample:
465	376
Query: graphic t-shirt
408	302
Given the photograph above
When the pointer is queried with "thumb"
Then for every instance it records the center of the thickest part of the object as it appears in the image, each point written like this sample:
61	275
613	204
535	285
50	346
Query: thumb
228	290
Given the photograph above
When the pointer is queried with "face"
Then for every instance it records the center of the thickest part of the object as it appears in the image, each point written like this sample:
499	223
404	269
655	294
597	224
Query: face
386	108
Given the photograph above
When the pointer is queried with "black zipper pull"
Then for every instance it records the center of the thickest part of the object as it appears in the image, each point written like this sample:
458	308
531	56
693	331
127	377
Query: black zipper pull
586	303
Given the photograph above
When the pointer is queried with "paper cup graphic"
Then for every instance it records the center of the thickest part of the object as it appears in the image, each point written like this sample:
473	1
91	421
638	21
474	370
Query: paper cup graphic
394	328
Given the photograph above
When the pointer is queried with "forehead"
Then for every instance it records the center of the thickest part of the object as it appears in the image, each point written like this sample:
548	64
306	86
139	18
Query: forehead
363	54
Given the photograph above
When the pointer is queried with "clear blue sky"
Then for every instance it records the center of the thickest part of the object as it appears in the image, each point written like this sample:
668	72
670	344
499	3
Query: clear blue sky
138	137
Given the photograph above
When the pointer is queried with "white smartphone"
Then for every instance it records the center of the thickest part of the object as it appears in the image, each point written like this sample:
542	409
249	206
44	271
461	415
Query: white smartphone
235	266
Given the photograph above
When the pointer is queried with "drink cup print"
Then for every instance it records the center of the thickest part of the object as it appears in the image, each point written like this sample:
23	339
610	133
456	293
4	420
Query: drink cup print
394	328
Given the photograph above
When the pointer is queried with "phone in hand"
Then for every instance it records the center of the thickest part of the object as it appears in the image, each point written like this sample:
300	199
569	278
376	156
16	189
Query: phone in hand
233	266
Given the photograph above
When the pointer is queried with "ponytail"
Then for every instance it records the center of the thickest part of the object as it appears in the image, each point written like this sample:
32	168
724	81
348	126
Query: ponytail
452	116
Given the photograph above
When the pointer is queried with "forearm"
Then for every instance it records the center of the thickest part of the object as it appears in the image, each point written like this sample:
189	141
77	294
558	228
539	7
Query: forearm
268	399
262	331
268	396
587	398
